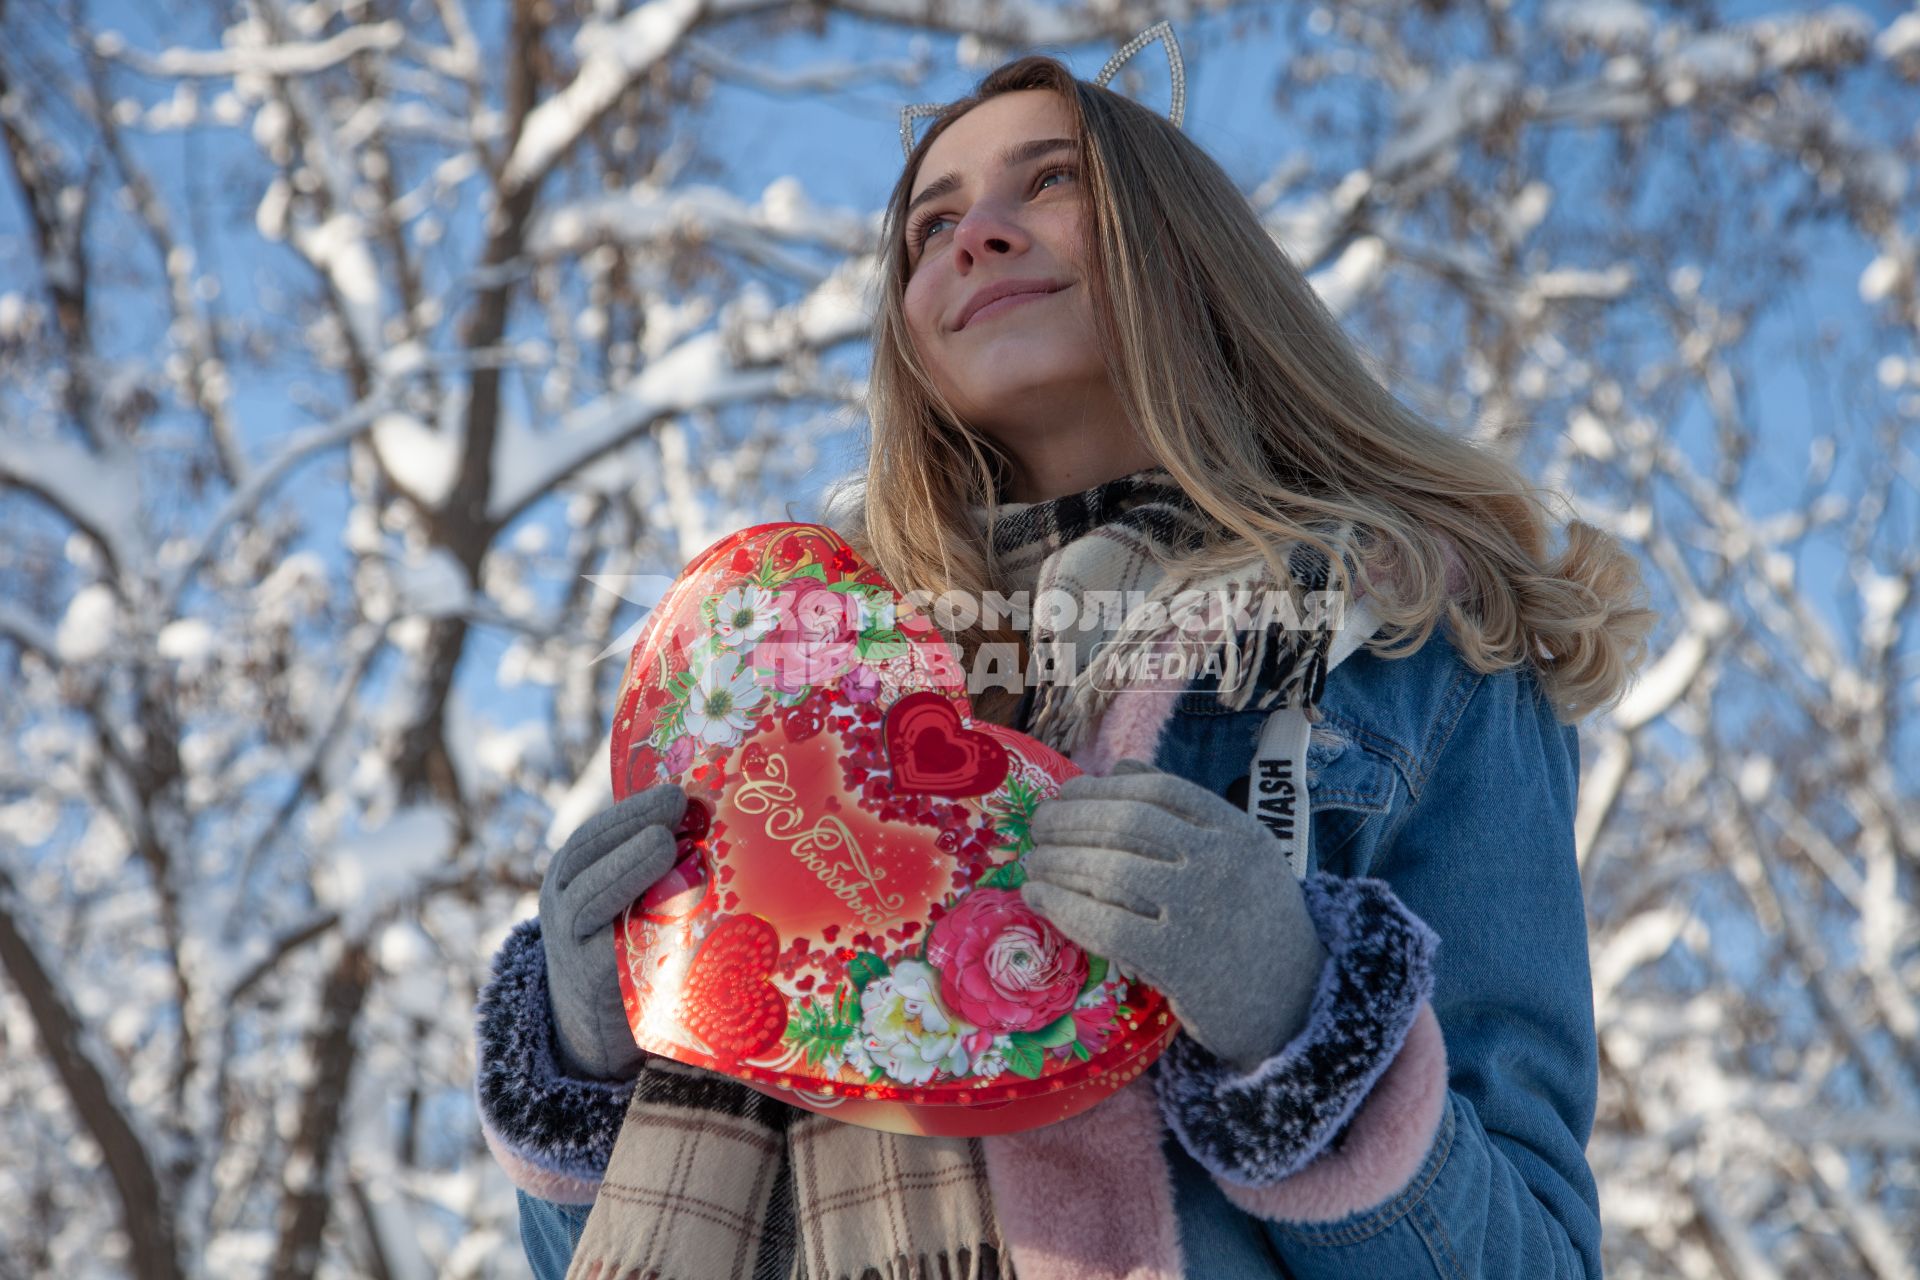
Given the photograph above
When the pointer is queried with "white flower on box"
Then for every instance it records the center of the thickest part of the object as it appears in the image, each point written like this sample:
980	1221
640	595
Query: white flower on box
721	706
743	615
903	1029
992	1060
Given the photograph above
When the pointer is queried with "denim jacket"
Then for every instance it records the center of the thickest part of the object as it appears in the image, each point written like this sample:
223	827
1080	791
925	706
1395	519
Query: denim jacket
1467	1159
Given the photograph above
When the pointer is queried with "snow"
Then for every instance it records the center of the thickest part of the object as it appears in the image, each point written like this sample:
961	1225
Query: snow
28	822
1589	435
90	625
1352	275
423	461
405	358
1901	39
296	587
503	752
338	247
1881	277
270	215
1308	226
282	58
1432	120
408	957
1608	23
1714	58
591	792
697	373
1665	680
1828	37
365	876
1648	937
1882	597
14	312
1569	283
611	57
645	212
434	584
99	491
1526	210
186	640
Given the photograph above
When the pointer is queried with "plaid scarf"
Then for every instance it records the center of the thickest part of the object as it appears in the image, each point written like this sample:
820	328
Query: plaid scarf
1112	544
710	1178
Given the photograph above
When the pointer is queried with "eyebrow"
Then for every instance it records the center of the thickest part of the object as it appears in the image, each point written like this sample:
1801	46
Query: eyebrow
1018	153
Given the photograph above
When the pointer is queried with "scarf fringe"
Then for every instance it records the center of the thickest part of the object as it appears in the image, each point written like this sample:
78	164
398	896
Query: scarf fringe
982	1263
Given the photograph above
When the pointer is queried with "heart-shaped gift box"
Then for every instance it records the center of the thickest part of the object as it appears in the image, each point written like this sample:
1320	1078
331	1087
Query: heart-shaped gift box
843	930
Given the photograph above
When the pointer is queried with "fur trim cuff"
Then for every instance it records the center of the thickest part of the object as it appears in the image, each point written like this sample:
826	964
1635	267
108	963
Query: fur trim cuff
1252	1129
1391	1140
562	1124
536	1181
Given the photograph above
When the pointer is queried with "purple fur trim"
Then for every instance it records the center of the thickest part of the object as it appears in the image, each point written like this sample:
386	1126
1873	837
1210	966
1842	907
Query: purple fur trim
534	1179
1254	1128
559	1123
1384	1149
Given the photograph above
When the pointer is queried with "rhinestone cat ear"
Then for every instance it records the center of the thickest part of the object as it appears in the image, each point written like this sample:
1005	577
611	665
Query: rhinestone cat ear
1161	31
909	114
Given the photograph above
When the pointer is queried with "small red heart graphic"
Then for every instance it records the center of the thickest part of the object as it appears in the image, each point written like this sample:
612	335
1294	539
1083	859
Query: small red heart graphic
728	1001
931	752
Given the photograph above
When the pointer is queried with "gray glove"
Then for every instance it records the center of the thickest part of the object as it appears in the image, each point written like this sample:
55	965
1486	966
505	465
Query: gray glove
1190	892
611	859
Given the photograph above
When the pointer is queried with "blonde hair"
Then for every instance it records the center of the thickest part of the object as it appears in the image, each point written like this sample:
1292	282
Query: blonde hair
1247	390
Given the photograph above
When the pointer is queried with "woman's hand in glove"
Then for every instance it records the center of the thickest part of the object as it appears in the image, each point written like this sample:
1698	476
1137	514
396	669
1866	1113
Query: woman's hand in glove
1190	892
611	859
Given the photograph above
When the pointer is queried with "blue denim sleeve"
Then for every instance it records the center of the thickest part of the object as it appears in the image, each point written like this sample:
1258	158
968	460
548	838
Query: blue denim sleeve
550	1233
1485	856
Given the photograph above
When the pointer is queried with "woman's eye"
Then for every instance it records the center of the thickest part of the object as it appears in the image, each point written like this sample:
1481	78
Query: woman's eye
924	228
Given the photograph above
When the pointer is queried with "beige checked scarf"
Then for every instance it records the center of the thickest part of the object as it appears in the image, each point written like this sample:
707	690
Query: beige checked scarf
710	1179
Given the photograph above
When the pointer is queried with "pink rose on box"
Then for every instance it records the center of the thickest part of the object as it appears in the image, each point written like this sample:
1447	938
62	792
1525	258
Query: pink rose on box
813	642
1003	966
679	754
862	684
1095	1026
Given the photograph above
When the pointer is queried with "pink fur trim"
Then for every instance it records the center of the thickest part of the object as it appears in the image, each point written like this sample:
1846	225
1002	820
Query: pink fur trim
535	1181
1390	1138
1131	726
1089	1198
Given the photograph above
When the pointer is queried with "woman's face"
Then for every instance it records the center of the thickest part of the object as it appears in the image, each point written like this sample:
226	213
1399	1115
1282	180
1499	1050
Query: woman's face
1027	370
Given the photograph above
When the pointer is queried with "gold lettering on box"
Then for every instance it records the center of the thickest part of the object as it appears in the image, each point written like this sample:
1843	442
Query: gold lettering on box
850	877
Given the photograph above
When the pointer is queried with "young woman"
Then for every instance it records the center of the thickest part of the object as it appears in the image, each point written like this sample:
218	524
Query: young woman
1093	370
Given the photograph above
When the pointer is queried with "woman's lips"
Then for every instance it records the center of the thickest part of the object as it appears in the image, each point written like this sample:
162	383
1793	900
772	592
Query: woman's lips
1009	302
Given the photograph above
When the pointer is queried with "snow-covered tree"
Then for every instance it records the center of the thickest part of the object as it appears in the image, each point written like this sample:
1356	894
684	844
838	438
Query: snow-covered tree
346	345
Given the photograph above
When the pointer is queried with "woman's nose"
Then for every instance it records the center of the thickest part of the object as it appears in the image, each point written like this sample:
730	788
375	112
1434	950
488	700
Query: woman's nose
989	229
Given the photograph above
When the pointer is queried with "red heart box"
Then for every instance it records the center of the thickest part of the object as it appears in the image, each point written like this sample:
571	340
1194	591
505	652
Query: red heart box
844	930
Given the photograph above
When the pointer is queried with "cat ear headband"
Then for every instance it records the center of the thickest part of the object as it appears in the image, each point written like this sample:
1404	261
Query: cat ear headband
1161	31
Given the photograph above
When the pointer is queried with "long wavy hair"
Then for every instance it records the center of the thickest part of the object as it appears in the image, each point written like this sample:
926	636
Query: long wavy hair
1246	389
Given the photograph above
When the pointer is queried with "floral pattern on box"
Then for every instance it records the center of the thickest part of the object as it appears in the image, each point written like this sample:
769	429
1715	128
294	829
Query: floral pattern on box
844	928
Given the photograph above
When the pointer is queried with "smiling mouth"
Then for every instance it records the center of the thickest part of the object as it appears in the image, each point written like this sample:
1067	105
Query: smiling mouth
1009	302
